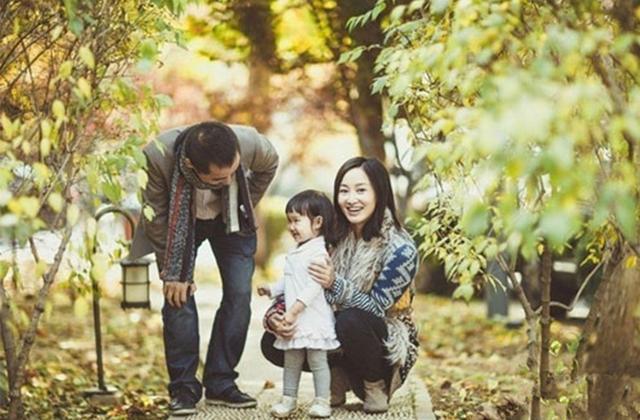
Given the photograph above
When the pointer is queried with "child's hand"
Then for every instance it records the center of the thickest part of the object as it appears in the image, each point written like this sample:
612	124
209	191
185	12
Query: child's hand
264	290
290	318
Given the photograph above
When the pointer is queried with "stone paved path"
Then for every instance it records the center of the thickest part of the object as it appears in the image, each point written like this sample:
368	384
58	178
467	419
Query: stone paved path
264	381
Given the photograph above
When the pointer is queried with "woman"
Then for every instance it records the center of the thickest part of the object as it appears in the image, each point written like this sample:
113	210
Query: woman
369	280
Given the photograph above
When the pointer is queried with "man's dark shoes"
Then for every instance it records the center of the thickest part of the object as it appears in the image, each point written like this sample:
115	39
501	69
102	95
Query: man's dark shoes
232	397
182	404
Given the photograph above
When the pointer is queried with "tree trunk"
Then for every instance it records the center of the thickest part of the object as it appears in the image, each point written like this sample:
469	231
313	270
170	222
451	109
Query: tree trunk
365	109
256	22
593	318
535	402
612	362
546	378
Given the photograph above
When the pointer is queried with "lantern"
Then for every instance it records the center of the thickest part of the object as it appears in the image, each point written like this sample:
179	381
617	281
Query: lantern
135	283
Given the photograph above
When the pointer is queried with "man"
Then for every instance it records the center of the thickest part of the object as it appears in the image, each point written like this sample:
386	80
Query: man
204	182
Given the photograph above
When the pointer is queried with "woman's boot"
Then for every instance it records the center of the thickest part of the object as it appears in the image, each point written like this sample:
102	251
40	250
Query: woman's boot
376	399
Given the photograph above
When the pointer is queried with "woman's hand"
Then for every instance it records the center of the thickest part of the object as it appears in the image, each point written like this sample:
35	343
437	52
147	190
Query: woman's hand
280	327
322	272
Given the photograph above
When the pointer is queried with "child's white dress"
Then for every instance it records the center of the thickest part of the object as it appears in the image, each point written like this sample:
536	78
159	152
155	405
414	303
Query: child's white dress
315	327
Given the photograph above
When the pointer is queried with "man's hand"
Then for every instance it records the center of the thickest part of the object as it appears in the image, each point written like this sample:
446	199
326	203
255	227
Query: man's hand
264	290
176	293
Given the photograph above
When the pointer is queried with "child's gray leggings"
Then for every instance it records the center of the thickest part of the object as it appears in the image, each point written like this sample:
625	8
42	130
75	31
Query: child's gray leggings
317	359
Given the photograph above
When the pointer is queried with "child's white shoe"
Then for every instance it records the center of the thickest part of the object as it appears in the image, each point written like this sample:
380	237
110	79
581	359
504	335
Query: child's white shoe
284	408
320	408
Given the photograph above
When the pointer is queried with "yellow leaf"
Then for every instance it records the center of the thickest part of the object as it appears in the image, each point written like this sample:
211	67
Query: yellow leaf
55	201
45	126
631	261
142	178
73	214
58	109
99	266
14	206
45	146
42	172
85	87
30	206
41	268
26	148
87	56
80	308
65	69
7	127
149	213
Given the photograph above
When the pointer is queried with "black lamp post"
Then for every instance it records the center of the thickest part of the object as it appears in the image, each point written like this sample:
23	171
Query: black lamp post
135	294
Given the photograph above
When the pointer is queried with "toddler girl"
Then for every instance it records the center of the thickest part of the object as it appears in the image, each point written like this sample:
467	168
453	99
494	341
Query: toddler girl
311	223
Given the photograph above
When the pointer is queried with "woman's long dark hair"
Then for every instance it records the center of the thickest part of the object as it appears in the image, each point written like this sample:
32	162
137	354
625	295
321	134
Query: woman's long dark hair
381	183
312	203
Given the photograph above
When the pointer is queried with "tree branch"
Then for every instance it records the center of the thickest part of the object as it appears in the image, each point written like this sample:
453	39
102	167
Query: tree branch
29	335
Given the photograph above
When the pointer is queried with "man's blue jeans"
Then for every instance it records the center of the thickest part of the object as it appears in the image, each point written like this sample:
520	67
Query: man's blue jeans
234	256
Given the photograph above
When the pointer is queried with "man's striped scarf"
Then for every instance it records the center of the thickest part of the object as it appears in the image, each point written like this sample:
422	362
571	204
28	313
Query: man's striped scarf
179	259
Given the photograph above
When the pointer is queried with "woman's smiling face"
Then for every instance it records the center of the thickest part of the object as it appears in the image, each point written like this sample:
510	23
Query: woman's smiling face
356	198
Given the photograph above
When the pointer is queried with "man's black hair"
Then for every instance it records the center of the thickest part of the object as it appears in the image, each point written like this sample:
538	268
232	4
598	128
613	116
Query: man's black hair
210	143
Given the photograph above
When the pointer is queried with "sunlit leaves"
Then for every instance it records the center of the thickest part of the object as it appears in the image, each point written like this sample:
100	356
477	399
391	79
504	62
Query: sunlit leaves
439	6
73	214
58	109
522	110
87	57
475	220
65	69
55	201
363	19
464	291
351	55
84	88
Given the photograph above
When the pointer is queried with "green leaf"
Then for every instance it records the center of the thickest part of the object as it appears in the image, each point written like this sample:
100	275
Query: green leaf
625	211
378	84
148	212
464	291
351	55
439	6
557	226
475	220
4	269
87	57
111	191
148	49
84	87
379	8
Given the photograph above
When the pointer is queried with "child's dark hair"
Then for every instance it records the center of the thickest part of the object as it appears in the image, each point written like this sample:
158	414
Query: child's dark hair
312	203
